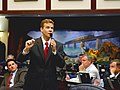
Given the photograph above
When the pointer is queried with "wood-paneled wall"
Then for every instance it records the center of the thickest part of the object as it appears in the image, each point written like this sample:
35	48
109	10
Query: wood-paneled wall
60	7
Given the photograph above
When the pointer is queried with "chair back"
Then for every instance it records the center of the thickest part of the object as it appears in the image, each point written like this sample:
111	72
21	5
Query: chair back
86	87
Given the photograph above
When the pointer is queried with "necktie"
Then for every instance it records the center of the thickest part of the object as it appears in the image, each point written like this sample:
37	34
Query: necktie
46	50
10	77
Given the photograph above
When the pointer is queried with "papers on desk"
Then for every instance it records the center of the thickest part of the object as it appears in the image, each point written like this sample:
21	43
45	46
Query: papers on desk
74	80
82	77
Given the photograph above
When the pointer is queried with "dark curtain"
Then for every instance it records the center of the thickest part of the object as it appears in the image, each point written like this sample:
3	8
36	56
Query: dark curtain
2	51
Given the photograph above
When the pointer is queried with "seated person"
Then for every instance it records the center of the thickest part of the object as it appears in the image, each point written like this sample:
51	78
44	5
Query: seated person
80	59
72	74
10	56
115	69
14	78
115	73
90	68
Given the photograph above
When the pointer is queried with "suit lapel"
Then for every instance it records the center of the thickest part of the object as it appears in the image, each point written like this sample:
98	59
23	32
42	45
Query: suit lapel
6	79
39	43
16	76
40	47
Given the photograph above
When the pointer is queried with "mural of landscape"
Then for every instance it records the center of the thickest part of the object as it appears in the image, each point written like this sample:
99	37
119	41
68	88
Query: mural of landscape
73	40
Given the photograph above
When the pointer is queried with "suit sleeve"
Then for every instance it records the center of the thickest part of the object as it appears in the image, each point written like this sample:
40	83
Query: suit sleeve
2	84
21	57
21	79
59	57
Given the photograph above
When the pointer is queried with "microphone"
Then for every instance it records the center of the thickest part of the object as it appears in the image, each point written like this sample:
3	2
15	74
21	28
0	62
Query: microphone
51	35
51	39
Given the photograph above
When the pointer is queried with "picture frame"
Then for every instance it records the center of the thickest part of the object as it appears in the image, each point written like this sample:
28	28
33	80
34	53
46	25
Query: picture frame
70	0
23	0
111	0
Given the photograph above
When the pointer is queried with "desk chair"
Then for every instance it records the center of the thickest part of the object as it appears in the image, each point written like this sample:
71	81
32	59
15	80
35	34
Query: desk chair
86	87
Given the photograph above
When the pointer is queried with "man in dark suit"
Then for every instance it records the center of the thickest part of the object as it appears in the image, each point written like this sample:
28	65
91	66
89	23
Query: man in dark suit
115	73
42	70
14	78
115	68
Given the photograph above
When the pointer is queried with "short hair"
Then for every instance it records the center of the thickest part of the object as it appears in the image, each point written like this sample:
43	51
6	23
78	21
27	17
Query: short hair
117	62
81	54
10	56
88	56
46	21
10	60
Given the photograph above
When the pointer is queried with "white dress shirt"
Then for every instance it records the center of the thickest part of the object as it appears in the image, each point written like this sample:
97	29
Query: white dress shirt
12	80
93	71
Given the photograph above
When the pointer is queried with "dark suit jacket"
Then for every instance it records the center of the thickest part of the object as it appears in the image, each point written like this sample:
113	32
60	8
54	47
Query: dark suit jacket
42	74
18	80
116	82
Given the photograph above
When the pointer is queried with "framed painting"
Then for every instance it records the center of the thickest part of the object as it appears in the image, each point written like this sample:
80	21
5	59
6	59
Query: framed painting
70	0
111	0
23	0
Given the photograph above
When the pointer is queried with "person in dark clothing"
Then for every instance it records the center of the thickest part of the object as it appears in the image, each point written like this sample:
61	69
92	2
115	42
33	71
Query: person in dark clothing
42	70
2	51
115	73
14	78
112	76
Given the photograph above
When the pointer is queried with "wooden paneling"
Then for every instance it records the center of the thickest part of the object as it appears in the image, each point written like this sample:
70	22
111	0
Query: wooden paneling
48	5
48	9
93	4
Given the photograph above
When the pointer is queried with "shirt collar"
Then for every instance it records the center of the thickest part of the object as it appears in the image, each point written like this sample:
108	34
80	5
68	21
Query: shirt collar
43	40
117	75
13	73
89	67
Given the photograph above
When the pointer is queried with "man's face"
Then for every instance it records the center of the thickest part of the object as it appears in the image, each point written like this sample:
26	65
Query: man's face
47	29
85	61
12	66
113	68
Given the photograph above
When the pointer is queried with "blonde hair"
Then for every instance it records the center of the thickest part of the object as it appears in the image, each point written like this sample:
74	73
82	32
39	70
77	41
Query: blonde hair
46	21
117	62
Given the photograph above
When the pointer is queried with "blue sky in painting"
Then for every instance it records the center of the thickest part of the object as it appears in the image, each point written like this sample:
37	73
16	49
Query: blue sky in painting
65	36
